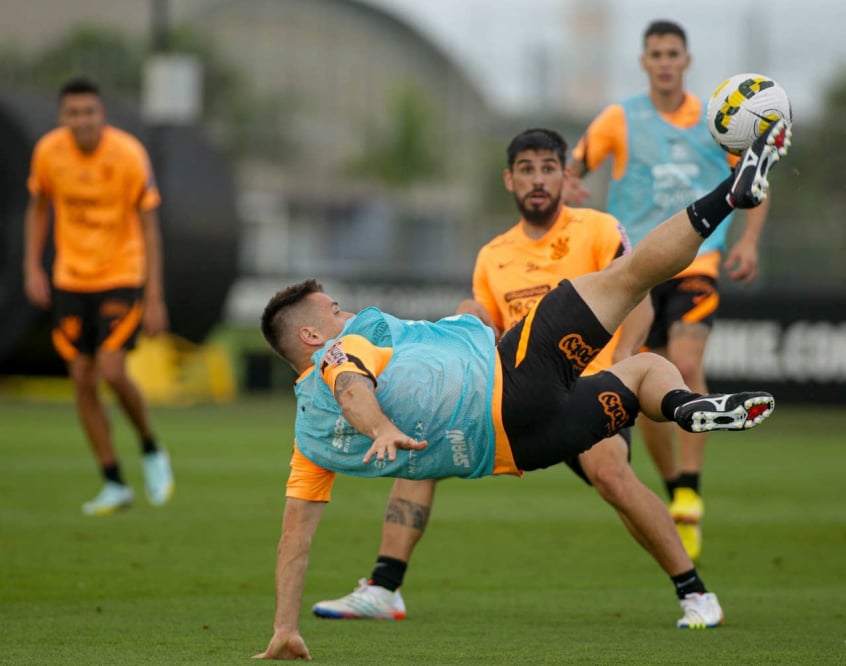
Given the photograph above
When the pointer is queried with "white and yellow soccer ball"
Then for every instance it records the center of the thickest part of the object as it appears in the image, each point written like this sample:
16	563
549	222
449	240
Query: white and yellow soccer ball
742	107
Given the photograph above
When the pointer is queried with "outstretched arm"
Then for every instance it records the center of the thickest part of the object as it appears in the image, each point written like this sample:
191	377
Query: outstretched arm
298	528
357	398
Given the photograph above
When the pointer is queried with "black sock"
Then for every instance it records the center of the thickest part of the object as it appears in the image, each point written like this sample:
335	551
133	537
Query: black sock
688	480
112	473
705	214
671	485
388	572
148	445
688	583
674	399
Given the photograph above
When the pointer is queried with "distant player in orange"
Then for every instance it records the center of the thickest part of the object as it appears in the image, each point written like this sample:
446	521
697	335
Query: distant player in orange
106	277
663	155
513	272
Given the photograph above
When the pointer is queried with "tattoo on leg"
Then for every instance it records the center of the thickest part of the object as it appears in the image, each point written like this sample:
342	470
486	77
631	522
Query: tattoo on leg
407	513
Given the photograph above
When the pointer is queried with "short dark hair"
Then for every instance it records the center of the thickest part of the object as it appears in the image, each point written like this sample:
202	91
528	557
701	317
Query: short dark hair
273	324
664	27
537	139
79	85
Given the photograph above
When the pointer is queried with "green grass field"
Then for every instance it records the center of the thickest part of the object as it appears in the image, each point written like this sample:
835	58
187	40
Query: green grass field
531	571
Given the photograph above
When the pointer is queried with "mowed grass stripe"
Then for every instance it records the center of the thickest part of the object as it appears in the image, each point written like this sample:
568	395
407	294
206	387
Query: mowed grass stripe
512	571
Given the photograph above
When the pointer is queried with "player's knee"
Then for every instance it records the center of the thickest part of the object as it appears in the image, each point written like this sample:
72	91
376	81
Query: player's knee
690	368
607	467
84	376
114	374
611	481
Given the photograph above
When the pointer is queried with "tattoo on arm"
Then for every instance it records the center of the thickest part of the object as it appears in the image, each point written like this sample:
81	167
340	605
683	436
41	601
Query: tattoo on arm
407	513
347	379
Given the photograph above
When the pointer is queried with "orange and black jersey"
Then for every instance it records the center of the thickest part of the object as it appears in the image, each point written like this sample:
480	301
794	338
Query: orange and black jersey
513	272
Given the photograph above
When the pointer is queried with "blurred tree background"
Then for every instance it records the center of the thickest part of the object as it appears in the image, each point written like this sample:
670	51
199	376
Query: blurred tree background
232	107
809	202
402	157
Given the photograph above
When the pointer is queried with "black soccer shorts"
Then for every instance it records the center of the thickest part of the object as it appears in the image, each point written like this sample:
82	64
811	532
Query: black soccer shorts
550	413
85	322
693	299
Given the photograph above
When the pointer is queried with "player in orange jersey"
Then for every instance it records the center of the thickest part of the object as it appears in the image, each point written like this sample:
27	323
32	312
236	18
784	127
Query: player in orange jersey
663	155
106	277
550	243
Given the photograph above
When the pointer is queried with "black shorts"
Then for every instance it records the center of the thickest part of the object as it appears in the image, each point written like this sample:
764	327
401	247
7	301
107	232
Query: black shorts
693	299
86	321
549	412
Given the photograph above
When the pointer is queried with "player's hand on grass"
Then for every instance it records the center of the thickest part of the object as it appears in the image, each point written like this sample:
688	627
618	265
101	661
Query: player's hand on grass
285	646
385	445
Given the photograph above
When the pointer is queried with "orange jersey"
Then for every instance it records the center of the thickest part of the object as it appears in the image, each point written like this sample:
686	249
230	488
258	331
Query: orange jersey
607	136
309	481
96	198
514	271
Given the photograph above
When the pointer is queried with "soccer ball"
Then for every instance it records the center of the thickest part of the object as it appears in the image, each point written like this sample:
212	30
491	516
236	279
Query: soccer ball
743	107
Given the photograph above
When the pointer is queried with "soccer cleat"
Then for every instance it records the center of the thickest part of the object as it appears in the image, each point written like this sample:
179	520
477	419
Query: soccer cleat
158	477
691	538
701	611
687	510
687	506
729	411
112	497
366	602
750	184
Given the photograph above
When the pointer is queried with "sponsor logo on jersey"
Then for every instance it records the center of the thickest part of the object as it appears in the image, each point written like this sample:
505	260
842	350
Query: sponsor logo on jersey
560	248
526	293
459	448
612	405
341	435
335	355
577	351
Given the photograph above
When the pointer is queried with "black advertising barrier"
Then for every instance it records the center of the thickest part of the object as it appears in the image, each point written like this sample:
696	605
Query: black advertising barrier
793	345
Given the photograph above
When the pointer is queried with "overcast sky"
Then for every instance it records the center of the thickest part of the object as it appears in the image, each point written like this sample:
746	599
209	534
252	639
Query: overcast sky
500	42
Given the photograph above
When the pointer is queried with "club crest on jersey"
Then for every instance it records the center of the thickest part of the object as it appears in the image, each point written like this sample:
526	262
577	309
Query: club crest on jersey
612	405
335	355
560	248
577	351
